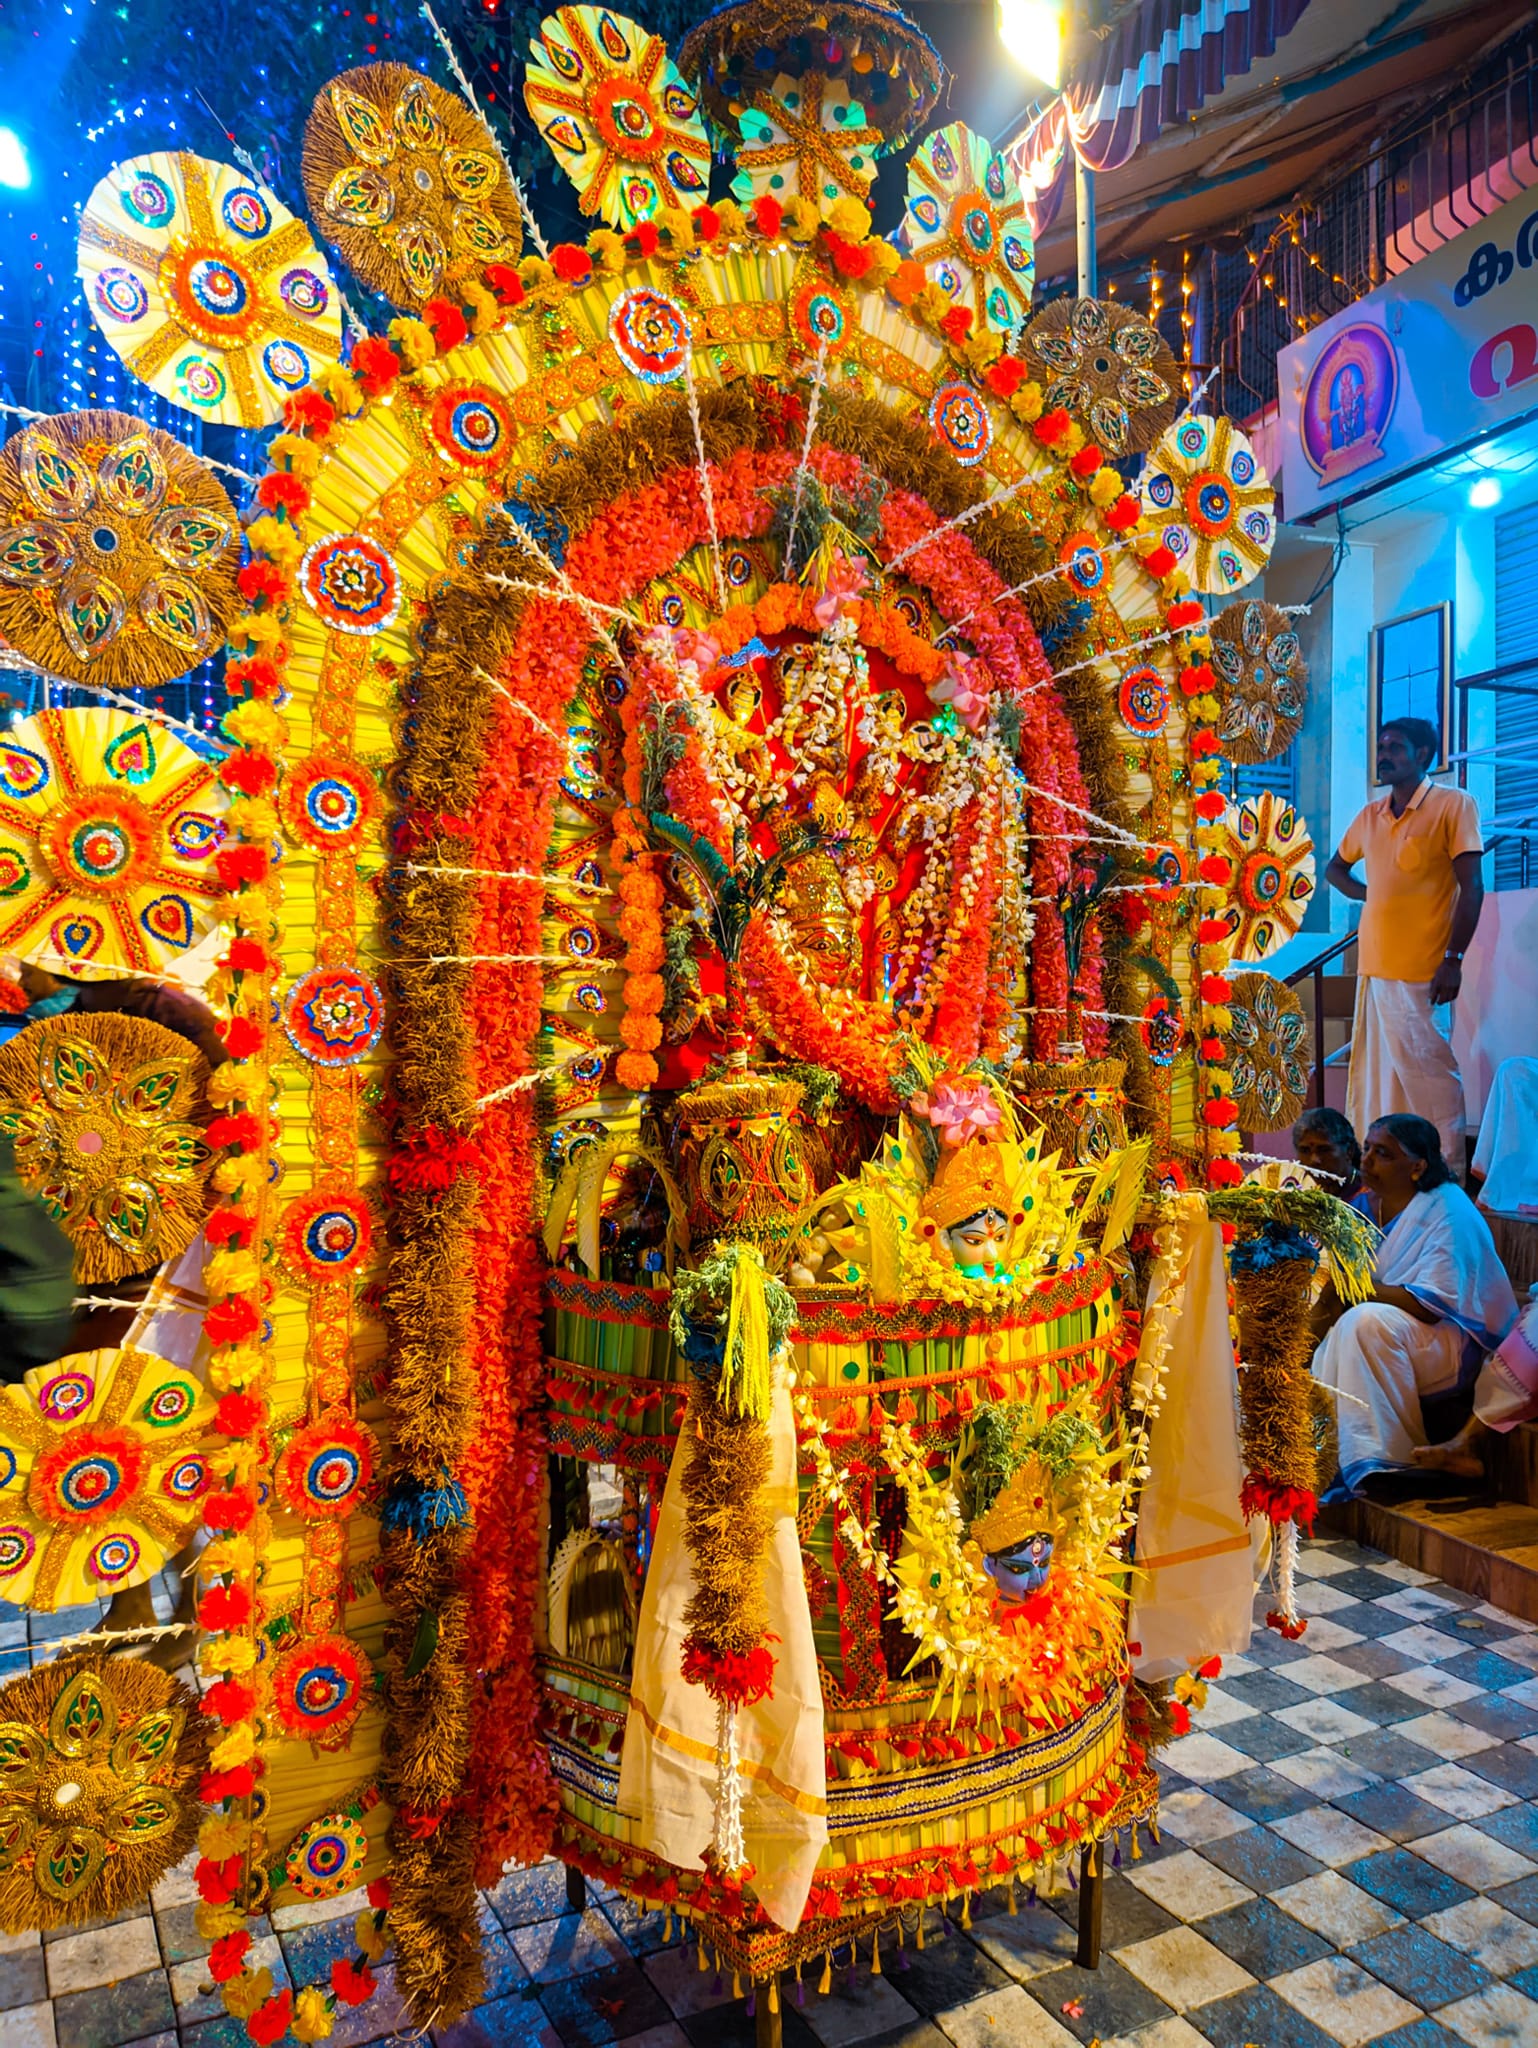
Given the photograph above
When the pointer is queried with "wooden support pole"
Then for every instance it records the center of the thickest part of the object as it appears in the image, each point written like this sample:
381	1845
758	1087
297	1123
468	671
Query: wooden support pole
1091	1904
768	2026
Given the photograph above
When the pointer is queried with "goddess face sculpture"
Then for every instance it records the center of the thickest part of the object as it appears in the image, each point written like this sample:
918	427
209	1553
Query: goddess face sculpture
979	1244
970	1211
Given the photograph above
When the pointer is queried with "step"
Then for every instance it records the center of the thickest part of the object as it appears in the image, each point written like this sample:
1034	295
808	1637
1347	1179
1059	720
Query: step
1490	1551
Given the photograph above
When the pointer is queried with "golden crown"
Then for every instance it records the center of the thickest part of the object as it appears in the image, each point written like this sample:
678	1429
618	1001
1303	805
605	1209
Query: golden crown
977	1175
1023	1508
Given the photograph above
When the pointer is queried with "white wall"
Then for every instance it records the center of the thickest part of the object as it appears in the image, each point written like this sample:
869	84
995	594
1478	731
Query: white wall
1497	1016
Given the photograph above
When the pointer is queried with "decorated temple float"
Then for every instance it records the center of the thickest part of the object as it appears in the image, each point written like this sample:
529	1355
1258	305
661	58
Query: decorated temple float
689	1307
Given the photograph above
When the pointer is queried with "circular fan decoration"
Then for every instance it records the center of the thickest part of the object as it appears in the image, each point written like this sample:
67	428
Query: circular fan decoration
407	183
1262	681
102	1111
319	1688
334	1015
104	1472
1109	369
1273	863
207	287
616	115
1212	503
1268	1052
324	1860
99	1766
118	550
965	221
864	85
108	828
326	1467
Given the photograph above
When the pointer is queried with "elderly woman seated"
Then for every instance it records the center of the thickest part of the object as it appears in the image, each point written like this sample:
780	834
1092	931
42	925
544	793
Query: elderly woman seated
1441	1300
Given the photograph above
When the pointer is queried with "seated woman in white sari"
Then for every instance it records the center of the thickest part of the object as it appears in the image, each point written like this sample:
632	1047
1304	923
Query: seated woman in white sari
1440	1301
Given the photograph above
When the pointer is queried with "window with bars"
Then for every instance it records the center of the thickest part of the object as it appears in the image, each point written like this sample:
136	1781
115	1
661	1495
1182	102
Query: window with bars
1514	862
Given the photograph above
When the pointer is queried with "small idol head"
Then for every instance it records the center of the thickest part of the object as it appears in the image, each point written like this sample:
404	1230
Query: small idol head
1022	1569
979	1243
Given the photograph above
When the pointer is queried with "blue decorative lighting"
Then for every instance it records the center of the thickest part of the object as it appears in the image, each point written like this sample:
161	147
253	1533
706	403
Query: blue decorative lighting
15	170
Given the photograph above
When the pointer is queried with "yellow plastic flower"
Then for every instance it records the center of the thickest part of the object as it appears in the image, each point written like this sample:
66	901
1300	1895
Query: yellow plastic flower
243	1994
932	303
414	339
801	220
734	222
341	388
212	1921
369	1938
256	724
271	537
262	629
678	227
884	261
484	311
849	219
535	274
607	250
230	1273
313	2018
220	1837
1027	404
227	1653
1105	487
238	1747
300	456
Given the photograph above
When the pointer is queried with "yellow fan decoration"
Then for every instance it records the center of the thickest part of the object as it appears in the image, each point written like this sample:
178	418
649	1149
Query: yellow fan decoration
207	287
104	1467
108	829
1212	502
1272	855
103	1112
407	183
118	550
616	115
965	221
99	1767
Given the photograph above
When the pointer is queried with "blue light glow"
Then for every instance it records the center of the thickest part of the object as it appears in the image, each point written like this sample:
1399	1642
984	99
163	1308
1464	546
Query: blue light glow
15	171
1484	492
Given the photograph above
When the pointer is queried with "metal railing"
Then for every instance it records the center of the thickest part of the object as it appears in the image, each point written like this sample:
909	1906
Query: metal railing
1313	970
1512	825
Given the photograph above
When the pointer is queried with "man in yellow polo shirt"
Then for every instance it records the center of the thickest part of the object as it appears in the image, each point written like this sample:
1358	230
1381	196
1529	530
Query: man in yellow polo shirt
1420	905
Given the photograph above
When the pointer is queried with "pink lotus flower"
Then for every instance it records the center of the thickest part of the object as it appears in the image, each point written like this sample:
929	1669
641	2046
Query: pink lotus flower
847	580
958	1110
964	686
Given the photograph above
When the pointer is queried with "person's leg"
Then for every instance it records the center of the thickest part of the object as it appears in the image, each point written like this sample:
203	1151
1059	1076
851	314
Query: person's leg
1425	1077
1378	1361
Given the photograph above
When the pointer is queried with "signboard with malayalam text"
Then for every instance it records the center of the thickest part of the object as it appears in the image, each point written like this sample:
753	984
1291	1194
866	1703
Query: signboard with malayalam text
1446	351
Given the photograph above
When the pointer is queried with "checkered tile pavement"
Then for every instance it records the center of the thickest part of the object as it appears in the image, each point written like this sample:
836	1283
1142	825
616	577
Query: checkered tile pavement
1349	1855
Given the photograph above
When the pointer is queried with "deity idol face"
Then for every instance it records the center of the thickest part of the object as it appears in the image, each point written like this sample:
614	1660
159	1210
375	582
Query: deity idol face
978	1245
1022	1569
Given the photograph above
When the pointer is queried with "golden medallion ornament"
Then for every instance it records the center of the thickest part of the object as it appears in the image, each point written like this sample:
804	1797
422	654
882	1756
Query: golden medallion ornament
616	115
1262	681
207	287
407	183
1110	370
118	551
109	826
99	1767
1268	1052
104	1113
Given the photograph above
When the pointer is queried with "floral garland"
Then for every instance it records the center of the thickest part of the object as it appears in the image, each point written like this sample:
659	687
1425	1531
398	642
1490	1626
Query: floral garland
230	1568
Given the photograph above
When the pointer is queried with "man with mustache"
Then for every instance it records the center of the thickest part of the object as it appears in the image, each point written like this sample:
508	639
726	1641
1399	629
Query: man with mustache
1421	902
